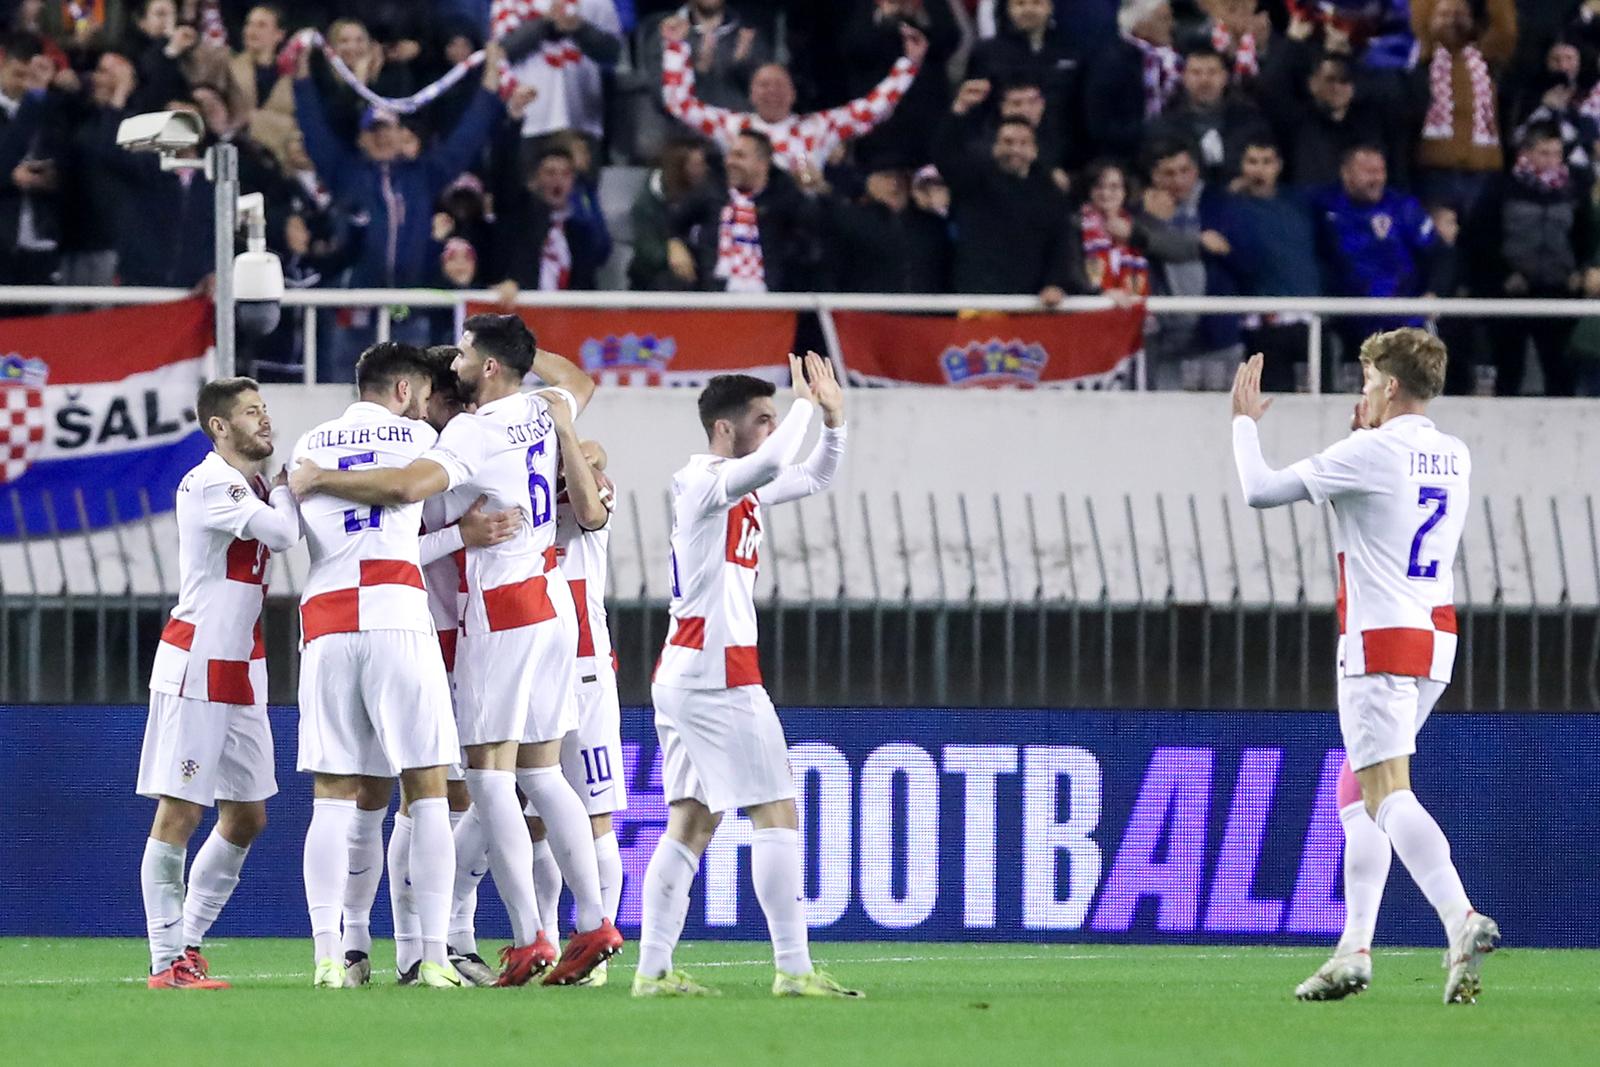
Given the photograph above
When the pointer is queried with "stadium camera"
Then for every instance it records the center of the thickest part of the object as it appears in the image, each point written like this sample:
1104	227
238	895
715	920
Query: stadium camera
257	274
160	131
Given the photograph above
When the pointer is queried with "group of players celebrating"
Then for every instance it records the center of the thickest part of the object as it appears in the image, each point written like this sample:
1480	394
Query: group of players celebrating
453	638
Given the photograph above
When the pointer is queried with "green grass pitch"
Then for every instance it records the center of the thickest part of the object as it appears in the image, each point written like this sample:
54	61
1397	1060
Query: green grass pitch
80	1002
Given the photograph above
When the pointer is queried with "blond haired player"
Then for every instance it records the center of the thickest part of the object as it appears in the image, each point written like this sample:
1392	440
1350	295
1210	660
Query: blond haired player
591	755
207	740
1400	490
722	746
514	668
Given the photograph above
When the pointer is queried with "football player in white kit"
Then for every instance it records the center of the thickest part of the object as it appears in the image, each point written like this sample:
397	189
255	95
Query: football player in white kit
374	698
722	746
591	755
207	740
442	553
514	668
1400	490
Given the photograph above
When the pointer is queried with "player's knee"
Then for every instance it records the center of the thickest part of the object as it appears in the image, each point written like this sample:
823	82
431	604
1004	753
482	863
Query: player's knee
243	823
779	814
600	824
176	820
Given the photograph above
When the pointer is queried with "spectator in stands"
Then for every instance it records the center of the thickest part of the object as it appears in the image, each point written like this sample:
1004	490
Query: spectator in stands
552	237
1377	242
1025	100
561	57
1458	72
1131	81
657	263
397	195
1528	242
89	228
31	148
270	96
465	208
726	50
173	57
1111	262
870	41
1585	347
164	219
386	72
1557	106
1318	113
884	243
1238	32
1189	229
799	142
929	191
1026	54
1279	258
1206	115
758	234
1014	231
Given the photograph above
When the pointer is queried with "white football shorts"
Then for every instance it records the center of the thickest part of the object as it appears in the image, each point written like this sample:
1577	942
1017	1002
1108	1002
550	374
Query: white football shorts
517	685
202	752
375	703
722	747
591	755
1380	715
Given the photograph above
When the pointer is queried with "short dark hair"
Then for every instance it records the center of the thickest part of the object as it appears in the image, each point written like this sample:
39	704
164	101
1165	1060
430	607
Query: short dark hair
1164	148
386	363
505	338
1359	147
1022	81
441	359
727	395
1016	121
22	46
217	399
1539	131
1205	51
763	142
1261	138
275	10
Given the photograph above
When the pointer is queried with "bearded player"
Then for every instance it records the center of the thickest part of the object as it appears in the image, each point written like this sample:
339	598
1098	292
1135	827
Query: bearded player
207	740
722	746
1400	490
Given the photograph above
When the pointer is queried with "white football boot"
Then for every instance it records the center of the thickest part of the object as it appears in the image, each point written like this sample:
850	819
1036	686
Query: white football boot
1344	975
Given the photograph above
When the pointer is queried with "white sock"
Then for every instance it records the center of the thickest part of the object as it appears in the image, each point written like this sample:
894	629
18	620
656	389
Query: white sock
361	883
1425	851
609	858
407	927
775	869
161	881
566	825
494	794
1367	855
547	887
212	880
324	867
472	863
433	873
666	904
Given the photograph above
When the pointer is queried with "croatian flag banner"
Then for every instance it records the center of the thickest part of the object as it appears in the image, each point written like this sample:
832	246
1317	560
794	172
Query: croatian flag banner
97	421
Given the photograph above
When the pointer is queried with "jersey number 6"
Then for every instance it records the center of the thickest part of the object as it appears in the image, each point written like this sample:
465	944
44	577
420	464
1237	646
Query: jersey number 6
1426	495
538	489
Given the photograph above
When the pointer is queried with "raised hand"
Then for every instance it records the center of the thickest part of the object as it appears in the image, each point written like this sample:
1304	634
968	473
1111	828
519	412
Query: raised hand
797	379
1247	398
972	92
825	388
915	43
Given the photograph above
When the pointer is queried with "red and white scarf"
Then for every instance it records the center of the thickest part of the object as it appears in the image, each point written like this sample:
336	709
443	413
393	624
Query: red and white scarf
1246	61
1440	124
555	259
1553	180
739	258
1161	74
1109	263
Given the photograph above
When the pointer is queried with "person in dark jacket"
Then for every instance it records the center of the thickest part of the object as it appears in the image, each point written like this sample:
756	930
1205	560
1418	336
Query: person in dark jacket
870	42
1014	231
552	237
1131	80
1530	241
1027	54
1279	258
1206	115
883	243
33	116
760	233
683	174
1318	112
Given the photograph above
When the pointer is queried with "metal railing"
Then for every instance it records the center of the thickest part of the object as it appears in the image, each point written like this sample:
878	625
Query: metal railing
311	302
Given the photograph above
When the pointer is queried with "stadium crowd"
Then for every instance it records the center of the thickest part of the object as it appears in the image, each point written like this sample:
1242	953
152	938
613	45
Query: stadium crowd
1049	147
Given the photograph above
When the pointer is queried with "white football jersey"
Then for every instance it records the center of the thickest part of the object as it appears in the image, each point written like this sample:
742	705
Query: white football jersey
364	560
1400	496
211	647
583	556
716	545
507	451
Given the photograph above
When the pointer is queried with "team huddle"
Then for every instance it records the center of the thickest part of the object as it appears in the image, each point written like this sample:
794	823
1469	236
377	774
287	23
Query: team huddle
453	639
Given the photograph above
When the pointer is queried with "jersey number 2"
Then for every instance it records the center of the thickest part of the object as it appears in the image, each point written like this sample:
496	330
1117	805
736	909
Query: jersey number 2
358	519
1440	498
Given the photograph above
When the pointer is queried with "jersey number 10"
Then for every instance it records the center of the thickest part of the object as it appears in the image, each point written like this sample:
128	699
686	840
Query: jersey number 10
1440	498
